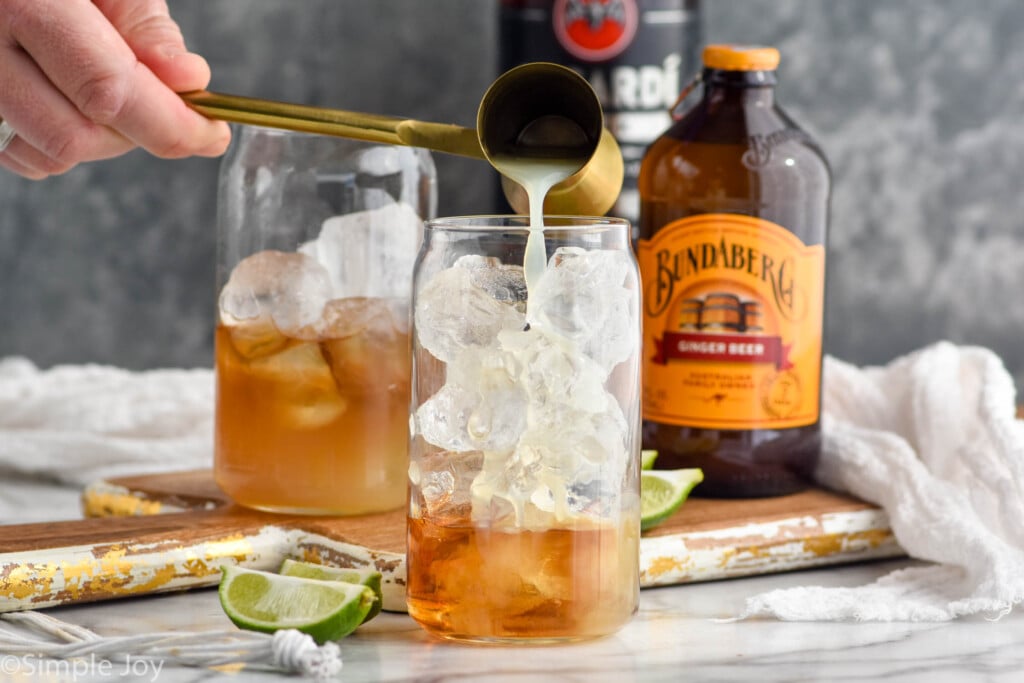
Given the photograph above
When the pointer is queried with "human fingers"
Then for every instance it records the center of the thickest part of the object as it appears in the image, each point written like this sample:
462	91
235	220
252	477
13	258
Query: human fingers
43	119
15	166
88	61
155	38
29	157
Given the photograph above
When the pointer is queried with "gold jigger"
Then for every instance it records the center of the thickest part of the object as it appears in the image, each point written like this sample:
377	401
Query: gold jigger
526	113
543	111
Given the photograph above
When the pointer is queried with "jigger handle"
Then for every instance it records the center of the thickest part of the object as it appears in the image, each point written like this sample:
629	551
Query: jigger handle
439	137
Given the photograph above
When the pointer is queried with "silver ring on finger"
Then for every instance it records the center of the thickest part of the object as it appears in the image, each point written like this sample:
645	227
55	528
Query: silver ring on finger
6	135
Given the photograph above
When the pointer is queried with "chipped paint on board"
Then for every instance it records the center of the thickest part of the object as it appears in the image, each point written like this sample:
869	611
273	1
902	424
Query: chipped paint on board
766	547
44	578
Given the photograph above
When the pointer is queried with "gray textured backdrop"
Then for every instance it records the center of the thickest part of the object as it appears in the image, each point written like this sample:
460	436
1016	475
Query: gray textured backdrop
918	104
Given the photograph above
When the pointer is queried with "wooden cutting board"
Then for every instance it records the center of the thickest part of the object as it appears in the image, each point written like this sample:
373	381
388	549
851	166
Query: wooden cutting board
167	532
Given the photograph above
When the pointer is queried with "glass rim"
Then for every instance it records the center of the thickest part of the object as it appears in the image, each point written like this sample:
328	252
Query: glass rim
517	222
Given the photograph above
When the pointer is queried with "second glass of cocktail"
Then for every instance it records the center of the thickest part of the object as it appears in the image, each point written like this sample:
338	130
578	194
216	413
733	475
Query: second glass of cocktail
524	501
317	240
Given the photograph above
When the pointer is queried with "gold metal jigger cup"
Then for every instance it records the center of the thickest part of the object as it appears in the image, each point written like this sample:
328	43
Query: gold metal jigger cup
514	119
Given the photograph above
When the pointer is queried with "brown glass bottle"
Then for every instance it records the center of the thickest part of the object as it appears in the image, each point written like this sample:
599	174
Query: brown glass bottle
733	221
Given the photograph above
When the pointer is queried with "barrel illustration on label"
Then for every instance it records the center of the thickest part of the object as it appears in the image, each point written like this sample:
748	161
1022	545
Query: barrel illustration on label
726	327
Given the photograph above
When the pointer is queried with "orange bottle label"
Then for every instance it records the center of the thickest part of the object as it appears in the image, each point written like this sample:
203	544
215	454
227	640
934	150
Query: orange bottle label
732	324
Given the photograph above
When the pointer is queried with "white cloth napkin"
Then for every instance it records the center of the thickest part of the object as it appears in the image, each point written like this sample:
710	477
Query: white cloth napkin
933	439
72	425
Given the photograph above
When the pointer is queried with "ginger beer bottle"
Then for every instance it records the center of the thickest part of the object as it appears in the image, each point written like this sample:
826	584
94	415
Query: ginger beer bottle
733	216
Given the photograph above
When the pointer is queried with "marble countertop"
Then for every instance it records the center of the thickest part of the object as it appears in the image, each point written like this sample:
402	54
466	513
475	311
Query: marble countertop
677	635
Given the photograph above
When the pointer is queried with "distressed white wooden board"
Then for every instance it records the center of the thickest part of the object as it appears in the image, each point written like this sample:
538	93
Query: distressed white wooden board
173	532
48	577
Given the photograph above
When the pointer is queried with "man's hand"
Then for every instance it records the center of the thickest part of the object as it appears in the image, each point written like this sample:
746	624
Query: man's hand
82	80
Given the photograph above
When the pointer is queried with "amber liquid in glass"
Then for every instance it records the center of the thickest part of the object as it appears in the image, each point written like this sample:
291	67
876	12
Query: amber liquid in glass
316	425
736	152
478	583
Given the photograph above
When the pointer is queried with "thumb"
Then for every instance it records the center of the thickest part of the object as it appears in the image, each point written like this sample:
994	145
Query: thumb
156	40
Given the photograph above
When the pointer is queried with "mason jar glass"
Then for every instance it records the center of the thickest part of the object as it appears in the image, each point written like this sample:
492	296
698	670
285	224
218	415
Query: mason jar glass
524	506
317	237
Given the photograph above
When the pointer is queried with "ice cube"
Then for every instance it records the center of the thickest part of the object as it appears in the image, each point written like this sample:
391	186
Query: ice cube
529	489
299	380
440	483
289	289
553	372
441	419
506	483
367	352
454	314
357	315
255	337
571	456
380	161
478	408
369	253
585	296
505	283
437	490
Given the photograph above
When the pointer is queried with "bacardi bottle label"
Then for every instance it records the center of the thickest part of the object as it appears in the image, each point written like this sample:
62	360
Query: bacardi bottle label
635	53
733	311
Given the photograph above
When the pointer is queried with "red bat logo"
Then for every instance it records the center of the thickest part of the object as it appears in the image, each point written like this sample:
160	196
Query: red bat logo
595	30
596	13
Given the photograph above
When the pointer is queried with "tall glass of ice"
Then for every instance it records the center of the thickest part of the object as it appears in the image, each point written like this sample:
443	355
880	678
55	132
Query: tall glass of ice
317	237
524	509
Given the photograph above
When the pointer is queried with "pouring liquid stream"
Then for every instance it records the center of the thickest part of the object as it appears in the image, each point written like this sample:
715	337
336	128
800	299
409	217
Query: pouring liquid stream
537	177
551	149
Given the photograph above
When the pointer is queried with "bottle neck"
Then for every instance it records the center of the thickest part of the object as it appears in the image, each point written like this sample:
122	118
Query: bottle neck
755	88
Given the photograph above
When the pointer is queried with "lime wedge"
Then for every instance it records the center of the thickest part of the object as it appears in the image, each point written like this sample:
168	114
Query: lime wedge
662	492
262	601
647	459
364	577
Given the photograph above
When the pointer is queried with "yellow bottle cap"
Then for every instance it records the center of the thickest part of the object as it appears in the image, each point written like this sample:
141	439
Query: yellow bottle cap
741	58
